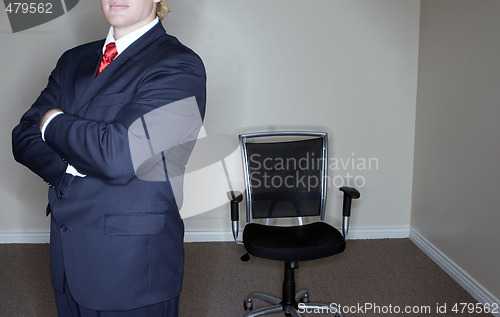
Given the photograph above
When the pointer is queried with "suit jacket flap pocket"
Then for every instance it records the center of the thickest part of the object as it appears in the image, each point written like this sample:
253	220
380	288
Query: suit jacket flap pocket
147	223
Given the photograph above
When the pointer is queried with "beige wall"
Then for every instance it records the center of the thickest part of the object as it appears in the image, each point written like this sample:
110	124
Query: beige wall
457	175
346	67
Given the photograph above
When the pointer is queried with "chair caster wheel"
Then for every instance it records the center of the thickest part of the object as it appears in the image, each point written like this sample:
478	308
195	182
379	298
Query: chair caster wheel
305	298
247	305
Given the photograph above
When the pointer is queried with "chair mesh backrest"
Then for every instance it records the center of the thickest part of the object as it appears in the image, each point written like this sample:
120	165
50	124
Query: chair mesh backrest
285	178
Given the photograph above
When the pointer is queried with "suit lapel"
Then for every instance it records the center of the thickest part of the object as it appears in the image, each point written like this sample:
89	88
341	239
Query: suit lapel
86	74
89	84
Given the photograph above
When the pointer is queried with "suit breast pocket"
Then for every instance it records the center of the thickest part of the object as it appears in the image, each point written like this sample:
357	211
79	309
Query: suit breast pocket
140	223
105	107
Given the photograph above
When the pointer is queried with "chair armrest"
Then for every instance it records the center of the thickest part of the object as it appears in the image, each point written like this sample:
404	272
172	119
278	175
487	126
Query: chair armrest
350	193
235	199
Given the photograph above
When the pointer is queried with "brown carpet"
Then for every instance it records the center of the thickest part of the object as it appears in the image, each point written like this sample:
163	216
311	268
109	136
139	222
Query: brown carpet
383	274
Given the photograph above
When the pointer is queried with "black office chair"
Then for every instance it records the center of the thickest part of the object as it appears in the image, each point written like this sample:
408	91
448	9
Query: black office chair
286	177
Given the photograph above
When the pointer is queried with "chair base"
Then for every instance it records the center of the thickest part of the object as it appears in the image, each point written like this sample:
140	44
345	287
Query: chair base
291	303
301	305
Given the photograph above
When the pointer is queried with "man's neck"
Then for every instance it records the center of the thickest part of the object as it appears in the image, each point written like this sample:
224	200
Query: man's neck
127	40
119	32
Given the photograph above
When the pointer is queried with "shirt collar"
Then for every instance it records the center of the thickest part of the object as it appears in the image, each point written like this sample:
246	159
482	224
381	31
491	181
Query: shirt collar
128	39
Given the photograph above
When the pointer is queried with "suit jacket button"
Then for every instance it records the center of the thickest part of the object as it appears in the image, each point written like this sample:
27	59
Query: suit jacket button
64	228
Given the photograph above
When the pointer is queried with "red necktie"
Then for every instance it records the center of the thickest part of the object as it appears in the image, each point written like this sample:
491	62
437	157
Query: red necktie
108	56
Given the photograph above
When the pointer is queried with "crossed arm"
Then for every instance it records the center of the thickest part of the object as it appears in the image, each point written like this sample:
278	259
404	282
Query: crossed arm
48	115
94	148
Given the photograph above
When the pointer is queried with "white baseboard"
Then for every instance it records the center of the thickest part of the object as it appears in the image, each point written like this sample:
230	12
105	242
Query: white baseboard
354	234
370	233
208	236
34	237
217	235
473	287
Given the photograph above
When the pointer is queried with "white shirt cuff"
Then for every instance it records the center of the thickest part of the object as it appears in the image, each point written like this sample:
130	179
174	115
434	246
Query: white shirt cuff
48	121
71	170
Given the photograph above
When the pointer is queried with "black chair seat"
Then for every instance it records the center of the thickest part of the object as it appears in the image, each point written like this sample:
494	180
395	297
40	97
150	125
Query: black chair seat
295	243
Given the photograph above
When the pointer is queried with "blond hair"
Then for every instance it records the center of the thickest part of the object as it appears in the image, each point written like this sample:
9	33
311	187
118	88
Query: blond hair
161	10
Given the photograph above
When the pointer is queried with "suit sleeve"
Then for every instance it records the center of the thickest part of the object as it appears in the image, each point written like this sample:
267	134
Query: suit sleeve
101	149
27	145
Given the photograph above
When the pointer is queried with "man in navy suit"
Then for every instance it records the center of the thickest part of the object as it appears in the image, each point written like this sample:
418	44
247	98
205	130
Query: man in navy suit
116	239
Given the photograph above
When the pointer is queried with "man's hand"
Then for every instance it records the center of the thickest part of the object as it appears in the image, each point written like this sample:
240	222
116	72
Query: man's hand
47	115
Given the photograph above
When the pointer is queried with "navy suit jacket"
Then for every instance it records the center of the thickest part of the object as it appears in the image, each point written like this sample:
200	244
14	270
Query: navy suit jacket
117	239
